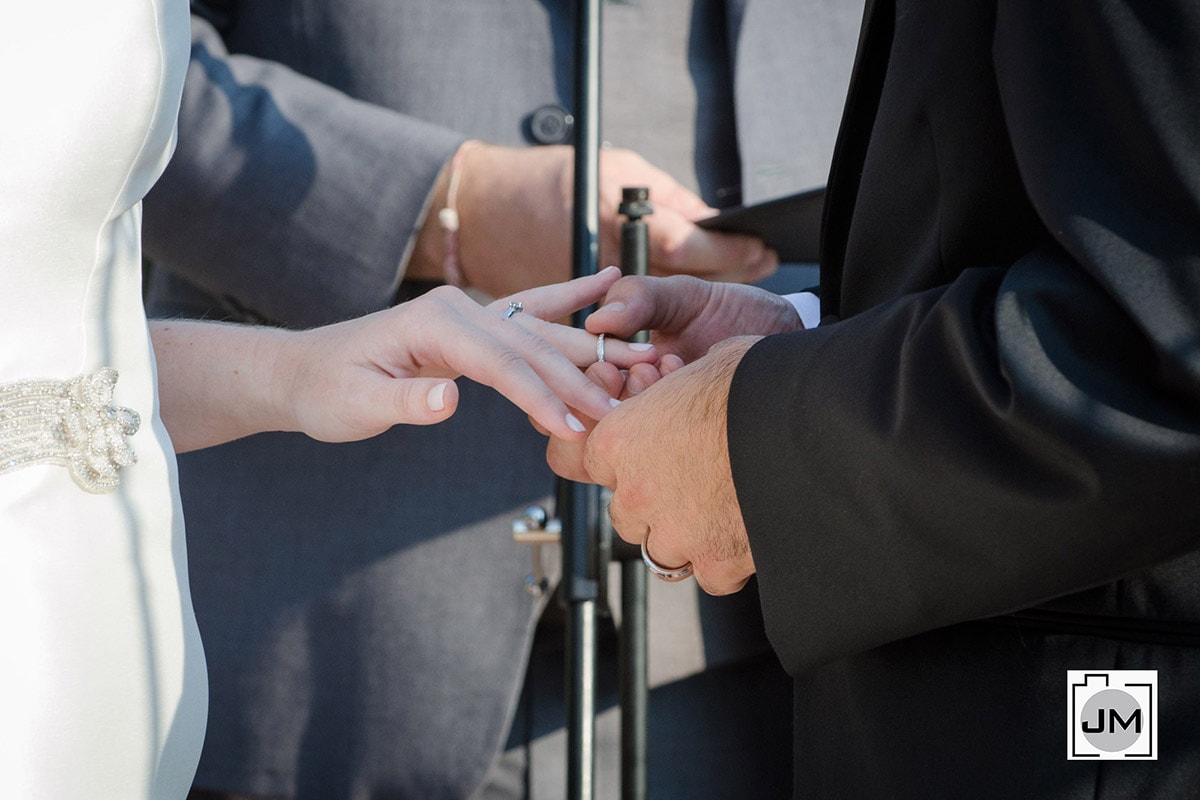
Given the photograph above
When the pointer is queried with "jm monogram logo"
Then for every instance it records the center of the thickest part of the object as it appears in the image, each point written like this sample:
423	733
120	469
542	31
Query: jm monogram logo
1112	714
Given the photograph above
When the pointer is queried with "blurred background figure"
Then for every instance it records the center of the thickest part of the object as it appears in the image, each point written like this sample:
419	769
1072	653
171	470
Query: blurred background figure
366	626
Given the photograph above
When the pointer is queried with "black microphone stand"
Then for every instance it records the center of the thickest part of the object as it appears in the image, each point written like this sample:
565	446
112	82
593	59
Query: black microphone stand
633	655
587	540
579	504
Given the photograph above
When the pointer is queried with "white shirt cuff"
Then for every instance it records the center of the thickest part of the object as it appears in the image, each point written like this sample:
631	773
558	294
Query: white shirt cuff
808	306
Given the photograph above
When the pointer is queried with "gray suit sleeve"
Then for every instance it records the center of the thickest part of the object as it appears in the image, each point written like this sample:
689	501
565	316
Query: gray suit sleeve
293	199
791	62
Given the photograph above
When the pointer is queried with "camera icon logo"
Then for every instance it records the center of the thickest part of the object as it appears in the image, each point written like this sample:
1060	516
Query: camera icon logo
1112	715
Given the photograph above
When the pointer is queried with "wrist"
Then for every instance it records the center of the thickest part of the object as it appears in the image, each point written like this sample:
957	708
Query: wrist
281	361
427	259
728	355
450	218
436	253
722	361
514	210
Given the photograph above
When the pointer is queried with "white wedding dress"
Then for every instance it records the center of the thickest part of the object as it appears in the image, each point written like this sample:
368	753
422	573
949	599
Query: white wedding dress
102	684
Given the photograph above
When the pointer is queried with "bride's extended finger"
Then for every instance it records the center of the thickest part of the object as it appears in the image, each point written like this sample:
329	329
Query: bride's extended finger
576	344
583	348
560	300
529	371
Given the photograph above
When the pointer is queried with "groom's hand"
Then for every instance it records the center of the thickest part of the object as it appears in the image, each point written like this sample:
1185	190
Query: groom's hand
663	453
686	316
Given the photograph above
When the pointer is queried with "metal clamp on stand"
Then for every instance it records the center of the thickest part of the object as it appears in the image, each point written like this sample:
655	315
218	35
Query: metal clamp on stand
535	528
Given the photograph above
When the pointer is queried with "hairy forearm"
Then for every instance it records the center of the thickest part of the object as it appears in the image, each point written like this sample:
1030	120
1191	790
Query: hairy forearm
219	382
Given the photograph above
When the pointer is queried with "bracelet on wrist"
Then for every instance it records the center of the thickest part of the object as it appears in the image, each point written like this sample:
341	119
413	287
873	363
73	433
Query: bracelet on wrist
449	219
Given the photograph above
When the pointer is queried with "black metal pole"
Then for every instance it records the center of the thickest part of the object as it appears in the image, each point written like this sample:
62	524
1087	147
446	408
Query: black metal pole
635	694
633	660
581	513
580	589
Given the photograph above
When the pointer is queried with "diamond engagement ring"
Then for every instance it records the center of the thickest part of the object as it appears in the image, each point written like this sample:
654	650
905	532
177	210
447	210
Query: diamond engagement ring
600	349
668	574
514	307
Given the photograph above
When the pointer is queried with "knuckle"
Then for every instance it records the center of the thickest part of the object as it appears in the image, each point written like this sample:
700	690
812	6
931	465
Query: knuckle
437	303
444	293
508	361
600	446
623	521
638	495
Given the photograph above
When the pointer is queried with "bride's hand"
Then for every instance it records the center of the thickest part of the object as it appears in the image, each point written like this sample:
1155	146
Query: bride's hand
358	378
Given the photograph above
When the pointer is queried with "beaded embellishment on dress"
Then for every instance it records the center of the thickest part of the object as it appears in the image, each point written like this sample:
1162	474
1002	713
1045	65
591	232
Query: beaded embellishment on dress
73	423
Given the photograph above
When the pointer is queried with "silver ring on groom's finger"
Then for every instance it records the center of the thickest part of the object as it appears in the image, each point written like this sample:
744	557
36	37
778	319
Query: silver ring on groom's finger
668	574
600	349
514	307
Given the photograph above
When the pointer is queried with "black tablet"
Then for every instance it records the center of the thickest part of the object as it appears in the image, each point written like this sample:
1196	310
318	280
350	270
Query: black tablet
791	224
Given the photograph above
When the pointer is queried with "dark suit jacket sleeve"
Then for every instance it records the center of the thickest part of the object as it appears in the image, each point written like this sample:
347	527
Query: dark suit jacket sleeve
282	189
1023	431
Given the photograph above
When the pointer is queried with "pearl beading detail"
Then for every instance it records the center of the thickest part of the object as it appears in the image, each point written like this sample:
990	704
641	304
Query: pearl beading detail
72	423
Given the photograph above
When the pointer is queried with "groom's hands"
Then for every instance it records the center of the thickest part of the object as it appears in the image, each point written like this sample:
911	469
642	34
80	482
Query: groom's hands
663	453
663	450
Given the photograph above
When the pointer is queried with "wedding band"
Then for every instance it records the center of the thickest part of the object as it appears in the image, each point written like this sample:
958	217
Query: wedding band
668	574
514	307
600	349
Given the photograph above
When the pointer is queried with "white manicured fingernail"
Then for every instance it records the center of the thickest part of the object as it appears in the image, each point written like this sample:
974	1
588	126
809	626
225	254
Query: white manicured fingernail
574	424
640	347
614	402
436	399
610	266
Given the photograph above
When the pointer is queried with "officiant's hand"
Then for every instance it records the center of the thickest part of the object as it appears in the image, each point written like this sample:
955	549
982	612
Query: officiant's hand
514	210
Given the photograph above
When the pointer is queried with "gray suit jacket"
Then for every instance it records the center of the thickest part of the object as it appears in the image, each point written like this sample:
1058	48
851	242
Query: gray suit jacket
361	605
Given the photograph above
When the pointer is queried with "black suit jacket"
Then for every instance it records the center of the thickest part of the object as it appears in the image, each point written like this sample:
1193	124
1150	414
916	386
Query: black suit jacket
1002	407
